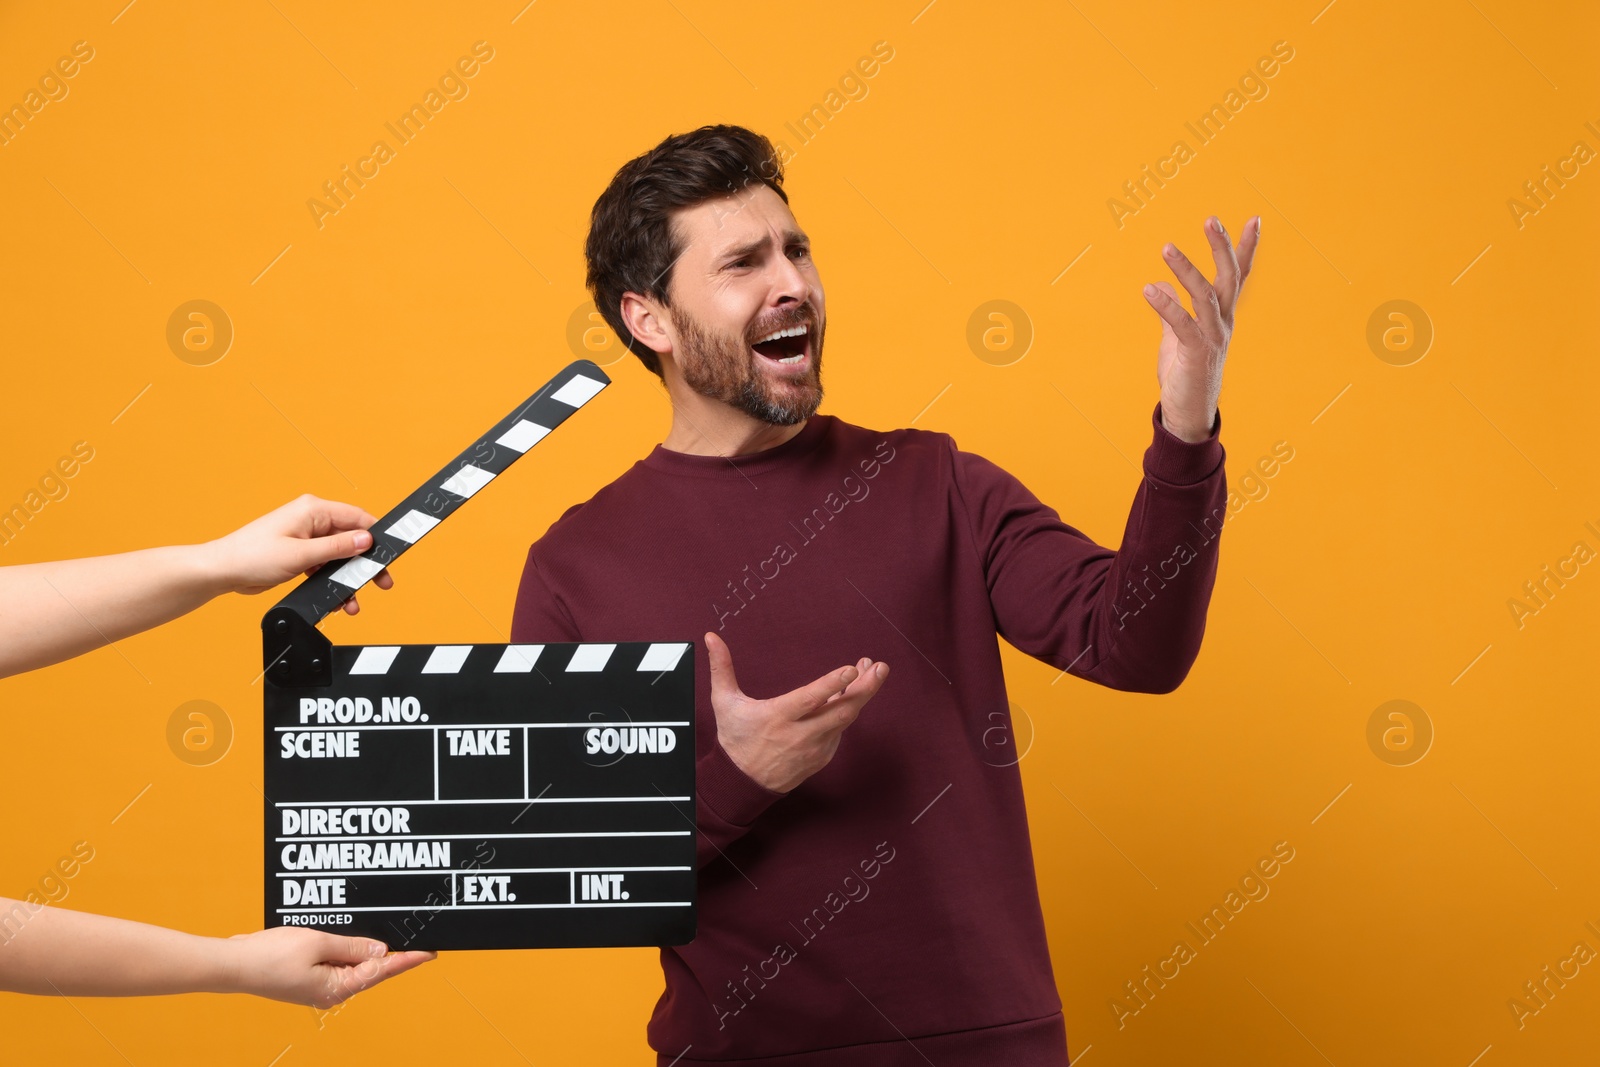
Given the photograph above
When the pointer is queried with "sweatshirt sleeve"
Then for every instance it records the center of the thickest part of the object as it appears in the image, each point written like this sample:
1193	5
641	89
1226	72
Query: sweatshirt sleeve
1131	619
727	801
538	616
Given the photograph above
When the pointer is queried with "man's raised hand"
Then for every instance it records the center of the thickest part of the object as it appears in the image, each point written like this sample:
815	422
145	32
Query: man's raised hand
1193	348
782	741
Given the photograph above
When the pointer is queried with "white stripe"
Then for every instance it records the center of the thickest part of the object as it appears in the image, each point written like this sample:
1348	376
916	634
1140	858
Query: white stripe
591	657
518	659
467	480
446	659
662	657
411	526
357	573
375	659
578	391
523	436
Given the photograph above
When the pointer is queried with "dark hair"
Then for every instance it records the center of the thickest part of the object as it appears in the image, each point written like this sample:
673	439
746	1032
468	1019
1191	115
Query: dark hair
632	244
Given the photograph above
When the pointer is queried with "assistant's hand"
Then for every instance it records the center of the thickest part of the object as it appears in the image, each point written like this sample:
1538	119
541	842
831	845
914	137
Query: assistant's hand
781	742
301	966
293	540
1193	349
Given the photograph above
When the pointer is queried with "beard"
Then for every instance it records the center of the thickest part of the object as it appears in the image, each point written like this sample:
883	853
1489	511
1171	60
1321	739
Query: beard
725	368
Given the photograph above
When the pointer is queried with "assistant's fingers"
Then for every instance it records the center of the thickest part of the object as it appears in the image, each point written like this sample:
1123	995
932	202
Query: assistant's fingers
343	948
382	580
331	516
381	970
307	553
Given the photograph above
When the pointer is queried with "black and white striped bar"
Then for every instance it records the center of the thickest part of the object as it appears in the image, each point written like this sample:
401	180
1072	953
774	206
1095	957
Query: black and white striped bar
486	796
437	499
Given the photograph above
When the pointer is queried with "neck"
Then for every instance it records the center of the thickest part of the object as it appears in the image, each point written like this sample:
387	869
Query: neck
705	427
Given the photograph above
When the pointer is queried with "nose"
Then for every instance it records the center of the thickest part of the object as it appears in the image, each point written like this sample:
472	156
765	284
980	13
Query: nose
790	285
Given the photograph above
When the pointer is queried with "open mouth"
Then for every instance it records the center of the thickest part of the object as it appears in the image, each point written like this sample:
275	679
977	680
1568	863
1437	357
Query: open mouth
787	347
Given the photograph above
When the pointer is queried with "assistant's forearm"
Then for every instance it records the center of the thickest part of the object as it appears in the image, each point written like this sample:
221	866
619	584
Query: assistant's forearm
54	611
50	951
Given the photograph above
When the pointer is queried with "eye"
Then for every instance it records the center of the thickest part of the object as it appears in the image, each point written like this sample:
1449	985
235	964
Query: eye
800	251
740	263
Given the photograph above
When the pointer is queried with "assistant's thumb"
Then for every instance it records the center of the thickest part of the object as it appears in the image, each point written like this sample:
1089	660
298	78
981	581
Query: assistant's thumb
316	551
342	949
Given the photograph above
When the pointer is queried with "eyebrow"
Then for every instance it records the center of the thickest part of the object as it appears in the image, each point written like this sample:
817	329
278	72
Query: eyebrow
738	252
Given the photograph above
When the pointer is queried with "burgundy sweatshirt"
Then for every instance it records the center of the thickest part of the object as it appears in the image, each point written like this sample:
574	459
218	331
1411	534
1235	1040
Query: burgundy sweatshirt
885	911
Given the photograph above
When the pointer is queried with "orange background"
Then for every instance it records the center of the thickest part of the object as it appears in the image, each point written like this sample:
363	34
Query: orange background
1377	566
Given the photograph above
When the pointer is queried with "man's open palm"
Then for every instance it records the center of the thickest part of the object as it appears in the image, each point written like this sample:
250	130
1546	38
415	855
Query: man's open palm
781	741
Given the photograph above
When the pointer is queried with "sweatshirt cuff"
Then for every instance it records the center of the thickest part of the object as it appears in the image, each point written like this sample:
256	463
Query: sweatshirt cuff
729	792
1175	461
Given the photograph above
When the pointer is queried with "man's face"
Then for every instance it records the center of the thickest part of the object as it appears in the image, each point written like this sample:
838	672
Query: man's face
746	274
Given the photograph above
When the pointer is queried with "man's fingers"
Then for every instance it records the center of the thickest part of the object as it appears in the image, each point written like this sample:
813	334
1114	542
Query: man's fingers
846	691
1227	283
723	682
866	678
863	667
838	714
868	683
1166	327
798	703
1202	297
1164	299
1247	247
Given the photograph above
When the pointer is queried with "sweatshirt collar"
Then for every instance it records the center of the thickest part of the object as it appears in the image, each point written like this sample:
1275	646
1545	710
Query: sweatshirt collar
815	429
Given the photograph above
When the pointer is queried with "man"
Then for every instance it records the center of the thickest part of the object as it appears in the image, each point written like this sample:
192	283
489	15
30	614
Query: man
867	891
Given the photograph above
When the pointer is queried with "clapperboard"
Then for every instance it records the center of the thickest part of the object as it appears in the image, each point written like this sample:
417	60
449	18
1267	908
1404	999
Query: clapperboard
476	796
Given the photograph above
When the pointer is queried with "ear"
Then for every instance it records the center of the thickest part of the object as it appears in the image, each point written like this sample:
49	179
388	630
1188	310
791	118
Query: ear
646	320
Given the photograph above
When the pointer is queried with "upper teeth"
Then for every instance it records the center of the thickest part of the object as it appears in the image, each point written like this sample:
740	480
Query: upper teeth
793	331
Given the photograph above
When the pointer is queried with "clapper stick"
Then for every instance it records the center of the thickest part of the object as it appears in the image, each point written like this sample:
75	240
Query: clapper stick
294	651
